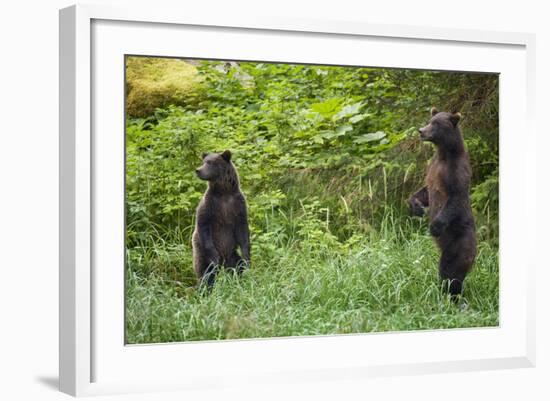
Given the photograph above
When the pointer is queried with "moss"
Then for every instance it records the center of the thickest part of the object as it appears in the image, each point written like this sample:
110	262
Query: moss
157	83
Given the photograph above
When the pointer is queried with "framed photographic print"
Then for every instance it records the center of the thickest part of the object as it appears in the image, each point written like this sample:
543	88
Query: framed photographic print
310	200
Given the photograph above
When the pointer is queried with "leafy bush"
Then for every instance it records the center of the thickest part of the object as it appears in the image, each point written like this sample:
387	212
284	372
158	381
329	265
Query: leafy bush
295	129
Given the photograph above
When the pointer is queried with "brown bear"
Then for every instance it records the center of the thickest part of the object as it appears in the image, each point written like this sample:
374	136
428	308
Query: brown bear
221	221
446	194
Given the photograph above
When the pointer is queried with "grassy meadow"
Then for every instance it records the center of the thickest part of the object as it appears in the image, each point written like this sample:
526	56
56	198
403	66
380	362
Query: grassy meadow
327	157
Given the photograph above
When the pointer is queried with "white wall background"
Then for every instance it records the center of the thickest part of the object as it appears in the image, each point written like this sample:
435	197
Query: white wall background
29	196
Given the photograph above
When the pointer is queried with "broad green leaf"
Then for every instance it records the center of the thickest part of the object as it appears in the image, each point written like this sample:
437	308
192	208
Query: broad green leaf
343	129
328	108
318	139
374	136
357	118
350	110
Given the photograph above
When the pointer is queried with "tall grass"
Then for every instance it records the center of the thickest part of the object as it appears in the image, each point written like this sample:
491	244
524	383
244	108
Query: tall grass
305	281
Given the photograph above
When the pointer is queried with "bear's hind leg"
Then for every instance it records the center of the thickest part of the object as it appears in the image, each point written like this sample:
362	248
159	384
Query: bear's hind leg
457	259
454	287
206	272
241	265
452	271
209	276
237	263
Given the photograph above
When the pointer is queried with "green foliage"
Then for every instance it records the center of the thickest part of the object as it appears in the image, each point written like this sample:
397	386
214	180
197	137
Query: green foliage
327	157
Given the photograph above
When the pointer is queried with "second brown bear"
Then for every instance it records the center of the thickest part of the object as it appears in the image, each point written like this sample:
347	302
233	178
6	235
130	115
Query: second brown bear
221	224
446	193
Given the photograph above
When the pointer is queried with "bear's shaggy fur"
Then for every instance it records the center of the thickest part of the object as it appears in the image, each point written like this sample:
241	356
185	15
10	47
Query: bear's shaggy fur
221	221
446	193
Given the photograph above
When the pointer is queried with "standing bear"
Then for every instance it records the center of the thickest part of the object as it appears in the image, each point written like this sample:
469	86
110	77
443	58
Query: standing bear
221	222
446	193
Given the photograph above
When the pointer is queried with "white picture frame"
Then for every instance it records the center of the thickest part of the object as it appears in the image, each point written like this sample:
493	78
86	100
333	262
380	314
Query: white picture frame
93	356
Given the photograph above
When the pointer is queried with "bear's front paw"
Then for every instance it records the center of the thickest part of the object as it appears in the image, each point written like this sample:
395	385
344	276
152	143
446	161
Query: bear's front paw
416	209
437	227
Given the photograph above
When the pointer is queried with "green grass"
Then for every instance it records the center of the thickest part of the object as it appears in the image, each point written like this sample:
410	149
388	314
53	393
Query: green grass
304	281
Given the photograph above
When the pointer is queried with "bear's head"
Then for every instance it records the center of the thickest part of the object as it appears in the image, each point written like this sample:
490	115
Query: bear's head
442	128
215	166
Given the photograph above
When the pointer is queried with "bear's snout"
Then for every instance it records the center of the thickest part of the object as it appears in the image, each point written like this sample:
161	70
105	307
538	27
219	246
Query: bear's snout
203	173
423	133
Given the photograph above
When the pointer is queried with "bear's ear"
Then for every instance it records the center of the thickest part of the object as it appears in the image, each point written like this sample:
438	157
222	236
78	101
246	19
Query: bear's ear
455	118
226	155
434	111
204	155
